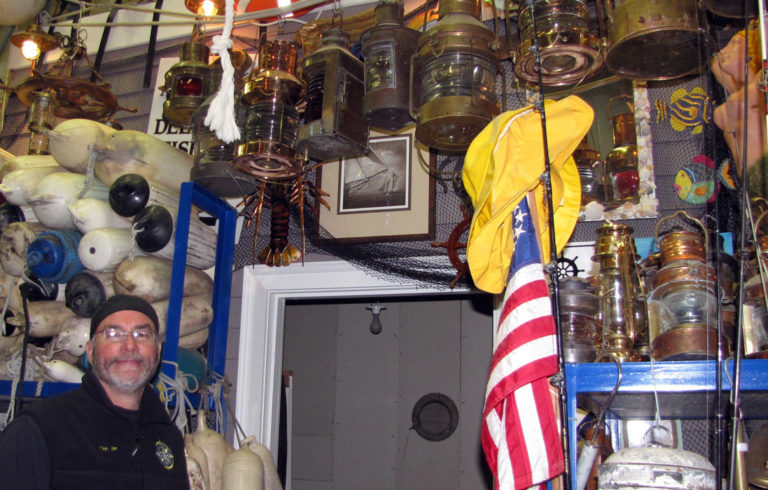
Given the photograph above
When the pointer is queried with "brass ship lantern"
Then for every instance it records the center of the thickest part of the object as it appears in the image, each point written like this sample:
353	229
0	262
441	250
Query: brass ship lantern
42	118
333	126
568	51
187	84
622	302
682	305
387	49
272	121
457	62
213	167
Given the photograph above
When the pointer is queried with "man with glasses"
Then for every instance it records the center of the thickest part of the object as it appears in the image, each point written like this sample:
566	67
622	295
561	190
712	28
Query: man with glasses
110	433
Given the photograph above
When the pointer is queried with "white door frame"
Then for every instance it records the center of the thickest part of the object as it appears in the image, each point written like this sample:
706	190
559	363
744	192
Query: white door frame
260	354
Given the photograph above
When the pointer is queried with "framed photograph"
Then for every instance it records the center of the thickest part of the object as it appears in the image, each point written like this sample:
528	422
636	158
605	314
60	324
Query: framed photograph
386	195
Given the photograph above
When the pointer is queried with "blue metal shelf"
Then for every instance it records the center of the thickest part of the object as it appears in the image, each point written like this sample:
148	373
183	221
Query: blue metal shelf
684	390
190	193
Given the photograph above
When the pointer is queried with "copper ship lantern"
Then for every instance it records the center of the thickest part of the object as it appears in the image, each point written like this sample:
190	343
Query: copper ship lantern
568	51
333	126
457	62
682	305
212	166
387	49
622	302
269	147
187	84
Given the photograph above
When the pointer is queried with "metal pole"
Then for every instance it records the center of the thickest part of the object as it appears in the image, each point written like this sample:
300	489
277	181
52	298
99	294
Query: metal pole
746	221
546	179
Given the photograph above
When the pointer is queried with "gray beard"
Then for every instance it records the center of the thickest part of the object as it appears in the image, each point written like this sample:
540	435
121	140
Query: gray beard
125	386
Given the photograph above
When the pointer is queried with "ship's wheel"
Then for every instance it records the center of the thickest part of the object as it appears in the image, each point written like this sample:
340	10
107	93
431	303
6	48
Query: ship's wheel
565	267
454	244
75	98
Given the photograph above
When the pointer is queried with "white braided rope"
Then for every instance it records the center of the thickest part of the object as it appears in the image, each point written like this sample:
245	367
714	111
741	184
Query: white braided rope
177	388
221	114
216	390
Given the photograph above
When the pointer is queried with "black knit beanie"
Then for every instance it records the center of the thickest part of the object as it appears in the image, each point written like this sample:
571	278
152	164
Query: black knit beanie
122	302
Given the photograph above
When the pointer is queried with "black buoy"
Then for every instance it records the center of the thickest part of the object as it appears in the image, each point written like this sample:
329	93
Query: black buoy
83	293
129	194
153	227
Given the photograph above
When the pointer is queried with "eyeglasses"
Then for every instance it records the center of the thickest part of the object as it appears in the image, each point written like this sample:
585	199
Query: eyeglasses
114	334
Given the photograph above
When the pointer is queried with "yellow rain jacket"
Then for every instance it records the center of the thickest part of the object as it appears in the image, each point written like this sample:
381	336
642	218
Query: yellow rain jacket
503	163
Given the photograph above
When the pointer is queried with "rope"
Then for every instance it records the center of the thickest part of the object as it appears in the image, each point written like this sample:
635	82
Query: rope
176	388
221	114
89	172
216	389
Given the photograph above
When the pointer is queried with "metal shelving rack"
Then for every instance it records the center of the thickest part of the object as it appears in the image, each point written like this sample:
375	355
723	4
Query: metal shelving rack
685	390
190	193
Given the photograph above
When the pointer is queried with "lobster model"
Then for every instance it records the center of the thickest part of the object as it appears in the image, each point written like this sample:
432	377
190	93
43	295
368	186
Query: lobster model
279	195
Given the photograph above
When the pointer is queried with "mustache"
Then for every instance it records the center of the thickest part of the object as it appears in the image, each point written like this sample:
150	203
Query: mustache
128	357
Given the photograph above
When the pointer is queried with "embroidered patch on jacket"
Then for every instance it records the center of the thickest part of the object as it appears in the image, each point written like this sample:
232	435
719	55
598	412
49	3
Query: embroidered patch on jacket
164	454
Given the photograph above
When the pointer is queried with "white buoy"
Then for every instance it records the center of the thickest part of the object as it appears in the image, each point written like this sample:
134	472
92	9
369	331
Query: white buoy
103	249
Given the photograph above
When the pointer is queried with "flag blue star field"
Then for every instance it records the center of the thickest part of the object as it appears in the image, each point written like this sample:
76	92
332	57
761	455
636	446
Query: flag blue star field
520	432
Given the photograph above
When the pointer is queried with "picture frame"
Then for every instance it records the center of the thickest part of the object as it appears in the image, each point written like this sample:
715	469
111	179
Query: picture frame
384	196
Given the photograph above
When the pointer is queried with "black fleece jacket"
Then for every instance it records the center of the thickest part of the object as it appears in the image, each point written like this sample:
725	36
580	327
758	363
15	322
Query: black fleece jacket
80	440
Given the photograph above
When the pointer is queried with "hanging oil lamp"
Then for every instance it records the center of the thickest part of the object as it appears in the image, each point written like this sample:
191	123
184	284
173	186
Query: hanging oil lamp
579	319
42	117
621	177
333	126
268	150
622	303
682	305
212	158
387	49
568	51
187	84
457	62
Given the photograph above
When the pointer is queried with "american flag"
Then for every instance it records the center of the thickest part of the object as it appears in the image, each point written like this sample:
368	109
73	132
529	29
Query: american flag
520	433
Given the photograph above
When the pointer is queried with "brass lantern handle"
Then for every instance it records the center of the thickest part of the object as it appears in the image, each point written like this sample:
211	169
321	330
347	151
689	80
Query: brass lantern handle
679	212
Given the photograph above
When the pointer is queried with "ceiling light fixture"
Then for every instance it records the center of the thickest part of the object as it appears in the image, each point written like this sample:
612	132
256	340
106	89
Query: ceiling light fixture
33	41
375	327
206	8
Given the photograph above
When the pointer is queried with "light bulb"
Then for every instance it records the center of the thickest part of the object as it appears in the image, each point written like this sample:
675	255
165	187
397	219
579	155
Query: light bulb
375	326
208	8
30	50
